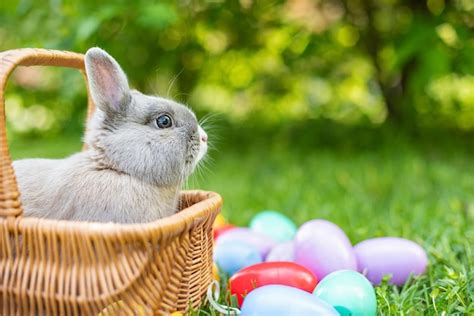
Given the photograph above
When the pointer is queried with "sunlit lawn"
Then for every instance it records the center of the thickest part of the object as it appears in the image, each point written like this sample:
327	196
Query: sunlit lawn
421	191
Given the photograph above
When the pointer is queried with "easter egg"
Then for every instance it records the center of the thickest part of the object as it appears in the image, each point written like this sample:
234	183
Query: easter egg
284	273
275	225
397	257
219	221
349	292
244	235
323	247
282	300
222	229
282	252
215	272
231	256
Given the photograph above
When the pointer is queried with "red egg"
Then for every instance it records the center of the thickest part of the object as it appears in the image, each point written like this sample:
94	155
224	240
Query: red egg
266	273
222	229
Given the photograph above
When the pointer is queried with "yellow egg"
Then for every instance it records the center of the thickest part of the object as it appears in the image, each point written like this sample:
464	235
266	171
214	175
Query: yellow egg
219	221
215	272
176	314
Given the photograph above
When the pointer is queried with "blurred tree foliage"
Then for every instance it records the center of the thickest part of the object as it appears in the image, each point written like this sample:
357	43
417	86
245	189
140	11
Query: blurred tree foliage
355	62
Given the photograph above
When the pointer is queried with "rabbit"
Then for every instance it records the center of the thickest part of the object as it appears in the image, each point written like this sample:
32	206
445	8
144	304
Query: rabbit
140	150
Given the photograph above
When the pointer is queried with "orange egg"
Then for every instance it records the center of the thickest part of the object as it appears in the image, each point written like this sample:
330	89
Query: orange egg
215	272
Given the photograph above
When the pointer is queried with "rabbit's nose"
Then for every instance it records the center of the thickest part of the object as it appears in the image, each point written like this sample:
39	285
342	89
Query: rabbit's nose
202	135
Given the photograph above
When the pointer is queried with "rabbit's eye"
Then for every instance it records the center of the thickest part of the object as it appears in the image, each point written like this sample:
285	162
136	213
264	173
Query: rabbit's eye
164	121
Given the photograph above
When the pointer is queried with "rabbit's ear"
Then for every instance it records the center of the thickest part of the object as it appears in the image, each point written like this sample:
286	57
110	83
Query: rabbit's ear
108	83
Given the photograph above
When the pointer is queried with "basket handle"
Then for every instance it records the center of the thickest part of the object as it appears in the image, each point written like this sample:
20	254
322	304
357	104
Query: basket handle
9	196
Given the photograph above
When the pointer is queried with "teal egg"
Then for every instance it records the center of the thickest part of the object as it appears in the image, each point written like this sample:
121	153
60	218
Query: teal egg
275	225
349	292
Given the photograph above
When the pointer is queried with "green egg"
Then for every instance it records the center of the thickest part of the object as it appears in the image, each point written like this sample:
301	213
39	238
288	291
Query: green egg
349	292
275	225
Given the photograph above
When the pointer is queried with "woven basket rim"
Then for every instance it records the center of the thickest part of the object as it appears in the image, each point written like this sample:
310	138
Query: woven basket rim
169	226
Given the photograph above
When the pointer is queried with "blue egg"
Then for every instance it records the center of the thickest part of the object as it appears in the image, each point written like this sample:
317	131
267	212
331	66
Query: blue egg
275	225
282	300
231	256
349	292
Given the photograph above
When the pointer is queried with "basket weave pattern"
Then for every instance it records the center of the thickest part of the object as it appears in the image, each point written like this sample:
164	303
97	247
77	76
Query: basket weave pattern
50	267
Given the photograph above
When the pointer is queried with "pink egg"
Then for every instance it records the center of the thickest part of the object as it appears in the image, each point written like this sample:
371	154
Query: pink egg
282	252
323	247
244	235
393	256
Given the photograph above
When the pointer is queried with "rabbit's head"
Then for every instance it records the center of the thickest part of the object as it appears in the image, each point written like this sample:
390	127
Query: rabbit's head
148	137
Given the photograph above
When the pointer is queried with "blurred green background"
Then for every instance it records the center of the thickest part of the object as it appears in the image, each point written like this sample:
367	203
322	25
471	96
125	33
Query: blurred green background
361	112
268	62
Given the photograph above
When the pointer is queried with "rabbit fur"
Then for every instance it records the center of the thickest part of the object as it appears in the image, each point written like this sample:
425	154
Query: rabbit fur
133	168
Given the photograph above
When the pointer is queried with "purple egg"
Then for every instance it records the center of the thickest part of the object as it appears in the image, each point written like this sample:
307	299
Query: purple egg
282	252
262	242
390	255
323	247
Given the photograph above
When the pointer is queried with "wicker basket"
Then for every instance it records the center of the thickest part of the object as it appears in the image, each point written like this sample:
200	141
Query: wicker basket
50	267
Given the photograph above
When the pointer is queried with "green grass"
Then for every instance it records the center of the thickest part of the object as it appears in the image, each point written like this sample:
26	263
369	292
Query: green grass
371	187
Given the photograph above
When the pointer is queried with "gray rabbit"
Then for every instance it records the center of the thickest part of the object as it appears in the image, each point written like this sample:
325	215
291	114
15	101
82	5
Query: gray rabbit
140	151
